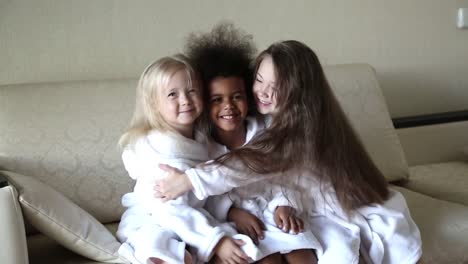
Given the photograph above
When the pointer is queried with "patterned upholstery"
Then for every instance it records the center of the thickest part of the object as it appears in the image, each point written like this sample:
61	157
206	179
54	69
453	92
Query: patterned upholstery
66	134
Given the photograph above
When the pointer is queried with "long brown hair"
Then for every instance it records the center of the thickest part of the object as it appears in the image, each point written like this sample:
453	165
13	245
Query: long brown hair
311	131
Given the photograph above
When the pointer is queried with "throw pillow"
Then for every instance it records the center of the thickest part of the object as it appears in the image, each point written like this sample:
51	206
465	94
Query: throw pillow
59	218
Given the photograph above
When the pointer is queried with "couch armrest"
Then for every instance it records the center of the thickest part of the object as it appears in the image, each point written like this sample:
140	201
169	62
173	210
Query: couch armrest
13	248
430	119
445	132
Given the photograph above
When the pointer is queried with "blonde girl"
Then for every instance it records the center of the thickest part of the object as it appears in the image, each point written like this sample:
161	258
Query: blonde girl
164	129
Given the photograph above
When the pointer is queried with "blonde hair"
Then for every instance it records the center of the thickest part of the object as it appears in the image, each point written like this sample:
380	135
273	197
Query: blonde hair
146	116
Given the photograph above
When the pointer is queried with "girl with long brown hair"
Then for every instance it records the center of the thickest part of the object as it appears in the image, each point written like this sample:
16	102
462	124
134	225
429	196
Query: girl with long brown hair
309	135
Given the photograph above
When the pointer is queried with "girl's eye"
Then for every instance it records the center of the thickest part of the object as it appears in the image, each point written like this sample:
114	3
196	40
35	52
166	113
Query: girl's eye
258	80
192	91
215	100
171	94
238	97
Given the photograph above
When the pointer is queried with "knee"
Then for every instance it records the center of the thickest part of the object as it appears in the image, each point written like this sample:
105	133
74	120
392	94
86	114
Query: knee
271	259
302	256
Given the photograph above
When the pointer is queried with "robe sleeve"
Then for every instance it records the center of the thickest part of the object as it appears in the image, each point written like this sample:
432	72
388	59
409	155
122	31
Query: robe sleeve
213	178
283	196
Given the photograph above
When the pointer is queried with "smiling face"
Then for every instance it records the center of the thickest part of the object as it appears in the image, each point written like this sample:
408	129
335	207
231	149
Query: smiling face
264	87
180	104
227	104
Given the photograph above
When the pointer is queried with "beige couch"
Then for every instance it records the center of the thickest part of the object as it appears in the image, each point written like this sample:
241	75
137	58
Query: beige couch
64	176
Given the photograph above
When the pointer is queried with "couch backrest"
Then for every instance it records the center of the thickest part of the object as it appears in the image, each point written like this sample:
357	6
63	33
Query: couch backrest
359	93
65	134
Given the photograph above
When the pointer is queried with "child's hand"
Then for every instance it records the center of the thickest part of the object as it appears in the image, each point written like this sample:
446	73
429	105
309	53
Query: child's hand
228	251
286	220
247	223
175	184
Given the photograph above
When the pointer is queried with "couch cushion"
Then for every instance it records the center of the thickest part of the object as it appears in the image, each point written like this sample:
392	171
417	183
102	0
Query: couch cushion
65	134
446	181
443	226
42	249
359	93
57	217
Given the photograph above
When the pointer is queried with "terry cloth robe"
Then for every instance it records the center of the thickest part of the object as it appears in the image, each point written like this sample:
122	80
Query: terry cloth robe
261	199
151	228
383	233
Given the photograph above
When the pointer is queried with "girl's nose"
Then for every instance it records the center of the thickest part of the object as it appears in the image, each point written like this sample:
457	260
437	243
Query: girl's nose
184	99
264	93
228	105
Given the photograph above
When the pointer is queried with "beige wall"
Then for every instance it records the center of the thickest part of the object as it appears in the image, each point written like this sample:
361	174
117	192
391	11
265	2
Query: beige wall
420	56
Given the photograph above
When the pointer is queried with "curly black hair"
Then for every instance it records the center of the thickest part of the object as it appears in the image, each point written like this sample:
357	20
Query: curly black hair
226	51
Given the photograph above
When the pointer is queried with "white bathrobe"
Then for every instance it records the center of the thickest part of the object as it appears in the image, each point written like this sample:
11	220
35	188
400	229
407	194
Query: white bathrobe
379	233
383	233
151	228
261	200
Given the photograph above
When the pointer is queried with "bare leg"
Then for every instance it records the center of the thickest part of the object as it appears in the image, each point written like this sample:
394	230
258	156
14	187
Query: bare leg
215	260
301	256
271	259
187	259
158	261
